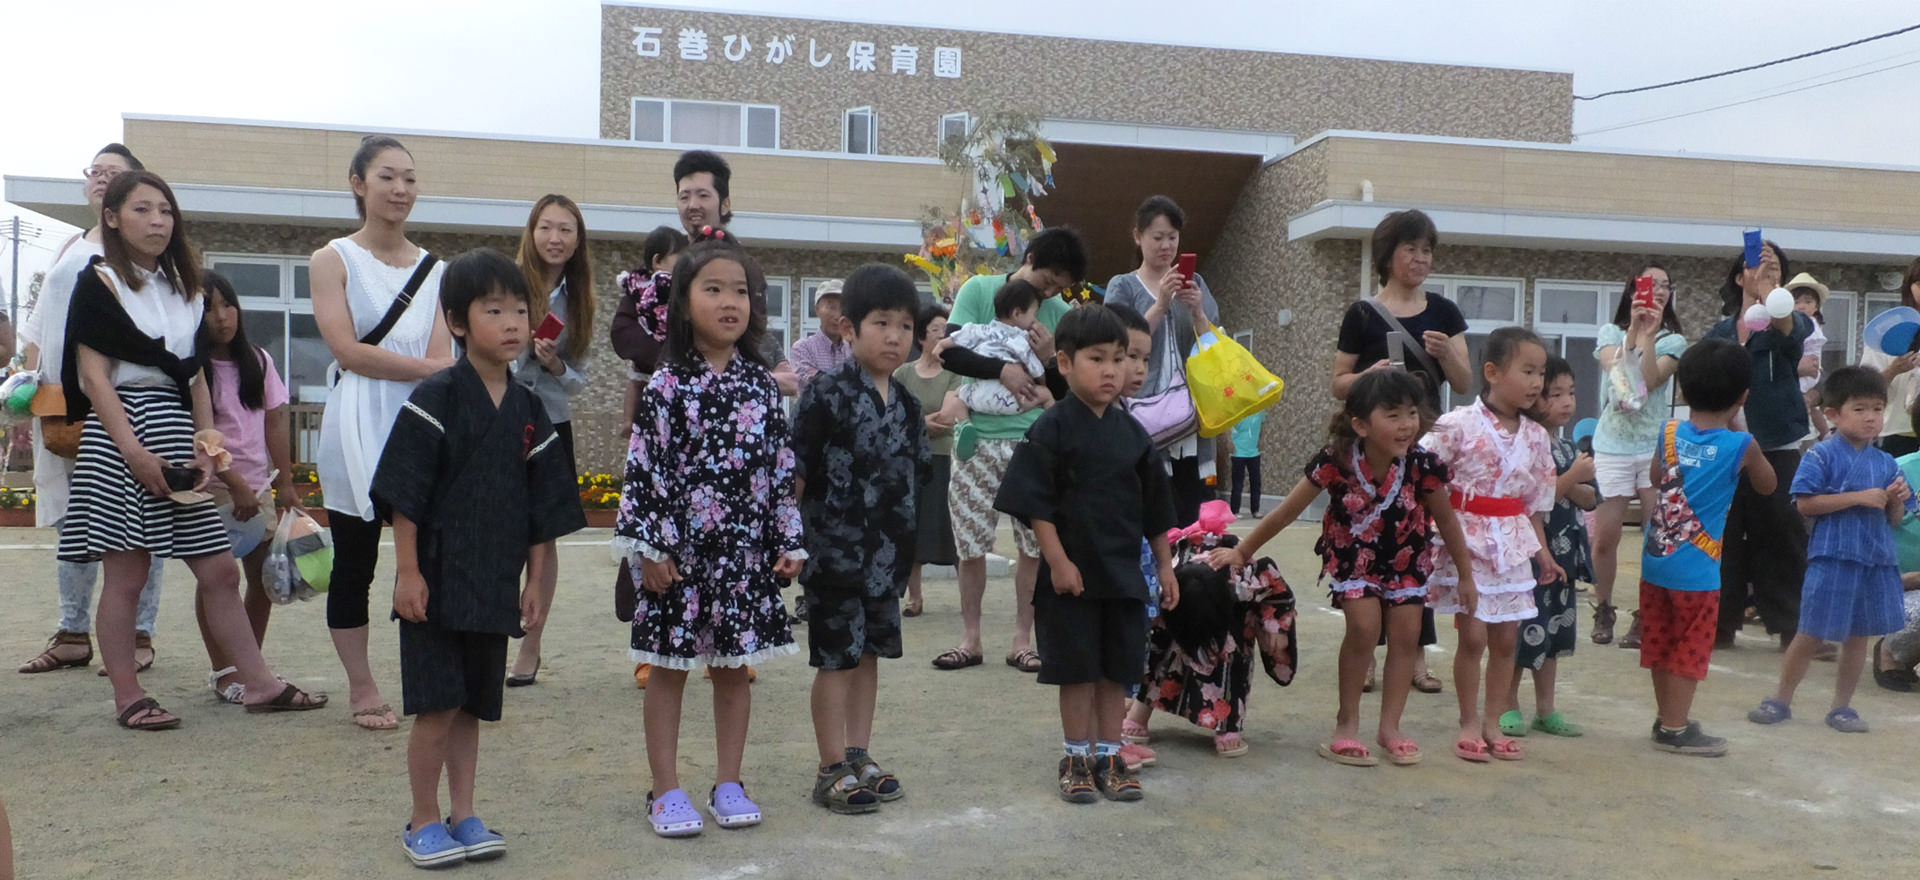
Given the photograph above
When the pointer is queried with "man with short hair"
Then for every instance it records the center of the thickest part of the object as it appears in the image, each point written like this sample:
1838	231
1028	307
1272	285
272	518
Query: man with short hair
703	195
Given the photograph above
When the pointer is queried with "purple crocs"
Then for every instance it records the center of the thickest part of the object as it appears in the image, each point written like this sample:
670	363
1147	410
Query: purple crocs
673	815
731	807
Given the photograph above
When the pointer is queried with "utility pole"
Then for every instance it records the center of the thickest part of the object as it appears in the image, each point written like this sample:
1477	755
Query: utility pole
18	232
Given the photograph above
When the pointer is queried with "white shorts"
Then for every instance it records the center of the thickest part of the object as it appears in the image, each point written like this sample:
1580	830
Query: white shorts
1620	476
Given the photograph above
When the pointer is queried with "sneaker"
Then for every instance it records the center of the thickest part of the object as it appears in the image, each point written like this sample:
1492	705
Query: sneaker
1076	780
1137	756
481	843
730	806
1111	776
1631	641
1691	741
432	846
1603	619
673	815
966	438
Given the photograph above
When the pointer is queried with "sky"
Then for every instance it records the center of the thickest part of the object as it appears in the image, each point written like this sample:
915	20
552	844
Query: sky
533	67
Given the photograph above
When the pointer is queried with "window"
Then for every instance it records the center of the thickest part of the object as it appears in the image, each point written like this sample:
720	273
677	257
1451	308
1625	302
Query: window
780	311
1568	315
926	294
1245	339
862	132
1488	304
1843	325
954	125
705	123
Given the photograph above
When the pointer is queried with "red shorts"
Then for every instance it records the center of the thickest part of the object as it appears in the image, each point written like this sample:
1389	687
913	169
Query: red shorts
1677	629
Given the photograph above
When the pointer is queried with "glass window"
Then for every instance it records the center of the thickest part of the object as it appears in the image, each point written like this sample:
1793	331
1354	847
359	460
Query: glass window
266	327
1565	305
699	122
860	131
955	125
779	311
1843	331
1484	302
251	278
302	288
763	128
1487	304
307	360
649	120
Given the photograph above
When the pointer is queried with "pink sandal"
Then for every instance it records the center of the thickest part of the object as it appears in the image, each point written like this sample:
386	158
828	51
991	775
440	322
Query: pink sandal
1473	750
1230	745
1402	752
1350	752
1506	749
1134	732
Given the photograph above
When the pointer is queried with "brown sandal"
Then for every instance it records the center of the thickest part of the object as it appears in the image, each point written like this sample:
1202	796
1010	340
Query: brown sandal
957	658
376	718
141	642
911	608
1427	683
288	700
47	662
147	709
1026	661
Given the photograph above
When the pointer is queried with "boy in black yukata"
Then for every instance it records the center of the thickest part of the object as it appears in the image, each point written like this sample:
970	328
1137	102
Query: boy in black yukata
860	447
478	489
1088	482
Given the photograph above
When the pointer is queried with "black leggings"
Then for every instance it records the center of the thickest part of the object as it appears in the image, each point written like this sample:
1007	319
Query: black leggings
1189	491
356	550
1249	469
1764	553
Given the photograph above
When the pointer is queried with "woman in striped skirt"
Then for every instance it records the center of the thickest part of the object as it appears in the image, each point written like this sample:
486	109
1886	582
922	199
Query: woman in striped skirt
147	448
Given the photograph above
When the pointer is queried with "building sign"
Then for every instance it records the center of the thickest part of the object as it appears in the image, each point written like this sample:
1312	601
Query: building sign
859	56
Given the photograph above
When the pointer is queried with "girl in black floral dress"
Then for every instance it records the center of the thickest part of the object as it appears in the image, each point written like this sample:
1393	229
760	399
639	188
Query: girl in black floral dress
1385	498
709	519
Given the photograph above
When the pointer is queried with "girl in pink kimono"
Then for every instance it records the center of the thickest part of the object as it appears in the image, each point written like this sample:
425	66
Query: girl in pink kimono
1503	478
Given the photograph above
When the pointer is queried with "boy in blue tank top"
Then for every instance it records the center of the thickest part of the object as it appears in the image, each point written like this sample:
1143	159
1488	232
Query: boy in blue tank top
1696	468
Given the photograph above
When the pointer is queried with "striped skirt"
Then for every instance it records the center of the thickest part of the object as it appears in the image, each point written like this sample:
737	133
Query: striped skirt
109	511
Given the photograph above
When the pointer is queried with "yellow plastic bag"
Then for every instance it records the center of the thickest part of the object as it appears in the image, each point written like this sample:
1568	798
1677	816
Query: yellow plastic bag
1226	382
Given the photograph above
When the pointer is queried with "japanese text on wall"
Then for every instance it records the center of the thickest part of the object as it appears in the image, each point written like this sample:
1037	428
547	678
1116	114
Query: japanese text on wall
860	56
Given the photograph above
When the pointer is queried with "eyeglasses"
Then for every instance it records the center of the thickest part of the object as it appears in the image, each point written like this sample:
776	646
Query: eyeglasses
98	172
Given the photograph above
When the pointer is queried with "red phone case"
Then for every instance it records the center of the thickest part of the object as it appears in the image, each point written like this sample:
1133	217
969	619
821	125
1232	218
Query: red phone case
1643	291
1186	264
550	328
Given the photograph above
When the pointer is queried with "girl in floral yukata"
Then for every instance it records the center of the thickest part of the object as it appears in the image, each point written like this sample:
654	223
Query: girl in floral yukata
710	521
1503	486
1385	499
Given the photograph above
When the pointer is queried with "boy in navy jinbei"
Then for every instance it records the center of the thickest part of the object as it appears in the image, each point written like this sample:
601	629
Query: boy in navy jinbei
860	446
1088	482
469	449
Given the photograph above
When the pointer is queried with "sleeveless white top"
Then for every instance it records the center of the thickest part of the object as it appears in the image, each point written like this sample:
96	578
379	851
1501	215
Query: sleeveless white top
360	411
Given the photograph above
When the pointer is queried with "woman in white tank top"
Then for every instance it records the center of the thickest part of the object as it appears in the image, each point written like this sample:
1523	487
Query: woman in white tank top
355	280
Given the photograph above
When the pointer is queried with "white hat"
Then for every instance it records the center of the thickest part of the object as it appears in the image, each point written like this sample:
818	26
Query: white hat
827	289
1809	282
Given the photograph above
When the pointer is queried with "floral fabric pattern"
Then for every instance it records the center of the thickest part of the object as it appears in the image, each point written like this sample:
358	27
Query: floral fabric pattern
1211	692
1377	533
710	486
1488	462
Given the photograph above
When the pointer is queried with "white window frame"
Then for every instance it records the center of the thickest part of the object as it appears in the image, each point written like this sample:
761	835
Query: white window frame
1245	338
1449	287
873	130
666	122
1606	297
940	132
780	290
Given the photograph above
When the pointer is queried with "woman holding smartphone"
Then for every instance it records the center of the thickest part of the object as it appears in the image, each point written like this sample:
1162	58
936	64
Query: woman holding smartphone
553	256
1641	348
1176	304
358	281
1425	331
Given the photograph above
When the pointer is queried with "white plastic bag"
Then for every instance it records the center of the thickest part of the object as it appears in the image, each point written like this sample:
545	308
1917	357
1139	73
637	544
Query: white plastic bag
301	561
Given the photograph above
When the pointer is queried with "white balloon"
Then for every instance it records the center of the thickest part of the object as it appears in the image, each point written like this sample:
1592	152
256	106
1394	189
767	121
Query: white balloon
1779	303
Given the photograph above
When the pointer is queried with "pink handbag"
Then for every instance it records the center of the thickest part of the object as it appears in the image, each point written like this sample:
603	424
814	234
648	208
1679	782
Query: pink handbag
1168	417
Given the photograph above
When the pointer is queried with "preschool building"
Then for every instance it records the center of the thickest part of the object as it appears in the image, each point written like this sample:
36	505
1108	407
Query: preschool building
1283	162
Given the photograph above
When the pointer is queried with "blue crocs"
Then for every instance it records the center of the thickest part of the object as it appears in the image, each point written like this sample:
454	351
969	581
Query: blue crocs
673	815
432	846
1770	712
731	807
481	842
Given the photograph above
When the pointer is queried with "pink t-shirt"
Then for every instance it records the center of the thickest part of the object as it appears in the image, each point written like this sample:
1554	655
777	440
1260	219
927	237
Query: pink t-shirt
246	429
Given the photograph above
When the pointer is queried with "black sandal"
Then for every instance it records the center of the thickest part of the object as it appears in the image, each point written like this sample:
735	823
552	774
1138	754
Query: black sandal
955	658
1898	680
838	788
288	700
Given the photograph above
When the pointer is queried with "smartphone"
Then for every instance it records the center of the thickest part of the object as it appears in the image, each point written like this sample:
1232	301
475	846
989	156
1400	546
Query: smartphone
1643	292
1186	265
550	328
1753	243
1397	343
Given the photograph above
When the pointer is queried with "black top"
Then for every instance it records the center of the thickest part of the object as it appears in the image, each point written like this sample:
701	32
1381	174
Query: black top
863	461
1776	410
482	484
1098	480
1363	333
99	321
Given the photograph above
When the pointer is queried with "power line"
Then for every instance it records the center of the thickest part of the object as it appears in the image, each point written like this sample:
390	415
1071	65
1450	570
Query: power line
1751	100
1682	82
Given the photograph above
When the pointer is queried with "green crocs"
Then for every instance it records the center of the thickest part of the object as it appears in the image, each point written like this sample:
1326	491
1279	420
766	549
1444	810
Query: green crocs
966	438
1513	723
1553	723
